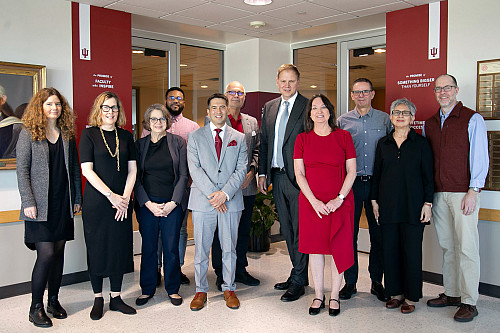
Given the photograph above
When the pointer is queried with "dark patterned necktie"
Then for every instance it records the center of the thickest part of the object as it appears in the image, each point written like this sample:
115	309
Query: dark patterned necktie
218	142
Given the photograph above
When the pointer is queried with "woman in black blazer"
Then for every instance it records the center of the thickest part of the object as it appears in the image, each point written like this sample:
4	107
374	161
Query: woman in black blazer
48	174
159	189
402	192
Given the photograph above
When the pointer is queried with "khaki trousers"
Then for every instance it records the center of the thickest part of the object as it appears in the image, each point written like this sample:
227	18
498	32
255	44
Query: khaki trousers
459	238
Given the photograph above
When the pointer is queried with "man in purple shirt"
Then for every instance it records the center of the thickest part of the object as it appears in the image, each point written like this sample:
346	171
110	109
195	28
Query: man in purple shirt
459	142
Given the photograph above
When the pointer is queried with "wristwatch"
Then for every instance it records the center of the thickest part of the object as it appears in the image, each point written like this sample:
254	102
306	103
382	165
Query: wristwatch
341	196
476	189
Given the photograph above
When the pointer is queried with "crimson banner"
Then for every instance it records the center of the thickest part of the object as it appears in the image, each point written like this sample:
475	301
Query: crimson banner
416	45
102	58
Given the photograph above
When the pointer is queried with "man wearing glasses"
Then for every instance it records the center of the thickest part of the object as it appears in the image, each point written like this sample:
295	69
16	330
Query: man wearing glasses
459	143
366	125
248	125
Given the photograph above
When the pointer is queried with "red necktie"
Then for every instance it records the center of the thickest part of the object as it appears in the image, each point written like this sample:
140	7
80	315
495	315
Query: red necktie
218	142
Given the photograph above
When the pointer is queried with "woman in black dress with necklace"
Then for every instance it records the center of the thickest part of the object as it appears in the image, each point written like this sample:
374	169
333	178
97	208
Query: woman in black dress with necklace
48	174
108	158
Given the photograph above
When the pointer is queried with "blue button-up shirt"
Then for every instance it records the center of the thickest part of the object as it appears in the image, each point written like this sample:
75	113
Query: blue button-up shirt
365	131
478	152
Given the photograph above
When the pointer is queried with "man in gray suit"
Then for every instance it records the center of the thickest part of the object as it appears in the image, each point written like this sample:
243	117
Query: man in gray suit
248	125
217	161
282	121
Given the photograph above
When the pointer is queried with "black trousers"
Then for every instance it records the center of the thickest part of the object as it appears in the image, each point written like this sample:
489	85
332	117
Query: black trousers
286	198
361	191
242	243
402	248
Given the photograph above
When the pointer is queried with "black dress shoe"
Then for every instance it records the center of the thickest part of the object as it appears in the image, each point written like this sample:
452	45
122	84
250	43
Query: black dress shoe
333	312
184	279
158	278
282	285
293	293
175	301
117	304
143	300
315	311
55	308
219	283
246	279
379	291
38	316
97	309
347	291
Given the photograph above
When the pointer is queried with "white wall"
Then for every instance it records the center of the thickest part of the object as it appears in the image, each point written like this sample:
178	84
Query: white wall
472	36
35	32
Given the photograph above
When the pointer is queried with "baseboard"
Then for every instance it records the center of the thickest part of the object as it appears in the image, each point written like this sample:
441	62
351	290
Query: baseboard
25	287
484	288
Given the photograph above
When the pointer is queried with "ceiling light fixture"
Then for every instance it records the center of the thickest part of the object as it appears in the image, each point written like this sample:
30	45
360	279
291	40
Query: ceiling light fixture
257	24
313	86
137	51
204	86
183	65
257	2
380	50
362	52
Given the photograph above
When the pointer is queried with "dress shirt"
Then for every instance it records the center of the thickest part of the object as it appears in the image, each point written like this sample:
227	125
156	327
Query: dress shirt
365	131
478	152
290	101
221	134
182	126
236	123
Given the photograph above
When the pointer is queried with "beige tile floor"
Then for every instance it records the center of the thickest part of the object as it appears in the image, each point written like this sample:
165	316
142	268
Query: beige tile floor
261	309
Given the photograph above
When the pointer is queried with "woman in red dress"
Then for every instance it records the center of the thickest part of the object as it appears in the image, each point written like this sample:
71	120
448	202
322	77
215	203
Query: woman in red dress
325	167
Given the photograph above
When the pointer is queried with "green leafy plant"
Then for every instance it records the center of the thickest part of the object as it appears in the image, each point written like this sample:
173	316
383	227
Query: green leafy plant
264	214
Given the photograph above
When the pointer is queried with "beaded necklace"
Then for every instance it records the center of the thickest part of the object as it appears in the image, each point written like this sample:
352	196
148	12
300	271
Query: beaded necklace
117	150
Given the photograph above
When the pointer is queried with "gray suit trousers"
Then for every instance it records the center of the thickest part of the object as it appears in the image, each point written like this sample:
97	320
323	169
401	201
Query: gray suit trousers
204	227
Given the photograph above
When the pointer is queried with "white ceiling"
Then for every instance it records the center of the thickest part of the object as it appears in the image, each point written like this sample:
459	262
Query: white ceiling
234	16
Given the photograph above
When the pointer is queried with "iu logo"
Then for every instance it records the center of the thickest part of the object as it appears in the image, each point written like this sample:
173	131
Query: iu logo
433	51
85	53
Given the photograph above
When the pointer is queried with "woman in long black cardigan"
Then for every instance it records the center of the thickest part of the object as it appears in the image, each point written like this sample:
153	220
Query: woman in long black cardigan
402	192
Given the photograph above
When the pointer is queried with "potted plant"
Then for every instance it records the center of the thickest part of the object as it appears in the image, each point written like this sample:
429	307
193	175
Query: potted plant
263	217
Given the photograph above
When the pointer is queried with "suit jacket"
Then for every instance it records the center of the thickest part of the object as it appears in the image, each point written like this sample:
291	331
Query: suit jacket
252	139
33	174
177	147
294	126
210	175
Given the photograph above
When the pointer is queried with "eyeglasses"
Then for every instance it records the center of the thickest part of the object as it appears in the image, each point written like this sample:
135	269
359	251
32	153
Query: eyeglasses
445	88
107	108
397	113
173	98
155	120
234	93
361	92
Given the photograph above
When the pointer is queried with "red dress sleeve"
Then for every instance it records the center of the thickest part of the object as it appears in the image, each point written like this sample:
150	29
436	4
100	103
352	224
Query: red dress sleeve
350	151
298	152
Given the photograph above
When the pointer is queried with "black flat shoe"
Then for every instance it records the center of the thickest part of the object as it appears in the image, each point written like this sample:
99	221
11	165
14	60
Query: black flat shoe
333	312
315	311
246	279
38	316
117	304
293	293
55	308
347	291
97	309
175	301
379	291
142	300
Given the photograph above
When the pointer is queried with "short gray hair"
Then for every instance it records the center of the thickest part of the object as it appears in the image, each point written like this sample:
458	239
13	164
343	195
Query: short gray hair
406	102
151	108
2	91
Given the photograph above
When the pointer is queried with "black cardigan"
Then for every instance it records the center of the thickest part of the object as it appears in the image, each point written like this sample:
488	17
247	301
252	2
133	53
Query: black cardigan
402	178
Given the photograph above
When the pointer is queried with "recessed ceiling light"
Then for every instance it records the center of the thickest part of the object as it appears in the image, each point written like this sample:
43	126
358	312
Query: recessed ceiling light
313	86
257	2
379	50
203	86
138	51
183	65
257	24
301	13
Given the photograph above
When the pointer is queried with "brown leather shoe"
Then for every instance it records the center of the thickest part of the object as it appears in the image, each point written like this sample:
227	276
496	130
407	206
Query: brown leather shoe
232	301
443	301
393	303
407	308
198	301
466	313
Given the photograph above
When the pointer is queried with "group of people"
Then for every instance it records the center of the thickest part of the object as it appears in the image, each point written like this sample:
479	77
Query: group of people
323	171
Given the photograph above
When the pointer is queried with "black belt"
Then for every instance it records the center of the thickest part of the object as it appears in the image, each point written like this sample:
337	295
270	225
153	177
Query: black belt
278	170
364	178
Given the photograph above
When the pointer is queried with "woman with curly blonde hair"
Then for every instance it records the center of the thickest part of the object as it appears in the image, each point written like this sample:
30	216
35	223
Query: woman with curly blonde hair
48	174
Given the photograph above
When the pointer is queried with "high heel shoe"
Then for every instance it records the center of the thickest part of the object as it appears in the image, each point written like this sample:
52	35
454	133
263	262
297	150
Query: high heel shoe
315	311
333	312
